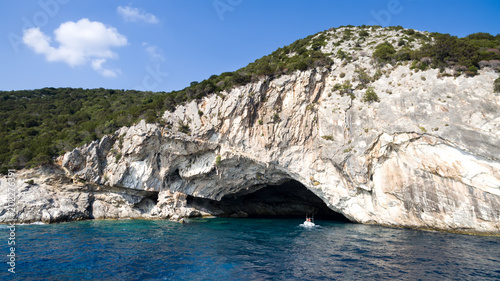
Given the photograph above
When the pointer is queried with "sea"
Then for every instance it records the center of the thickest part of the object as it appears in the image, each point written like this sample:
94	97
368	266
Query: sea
245	249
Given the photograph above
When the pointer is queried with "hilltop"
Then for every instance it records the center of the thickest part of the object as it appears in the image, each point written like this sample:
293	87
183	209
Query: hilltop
39	125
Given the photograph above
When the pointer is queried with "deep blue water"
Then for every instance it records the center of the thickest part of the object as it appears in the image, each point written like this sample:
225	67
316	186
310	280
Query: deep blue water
246	249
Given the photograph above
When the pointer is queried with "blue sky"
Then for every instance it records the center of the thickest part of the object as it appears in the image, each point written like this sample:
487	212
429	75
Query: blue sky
164	45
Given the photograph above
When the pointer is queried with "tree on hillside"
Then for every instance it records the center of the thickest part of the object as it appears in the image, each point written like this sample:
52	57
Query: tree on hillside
384	52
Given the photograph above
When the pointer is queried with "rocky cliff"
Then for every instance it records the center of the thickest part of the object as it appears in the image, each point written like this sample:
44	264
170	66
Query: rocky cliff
426	155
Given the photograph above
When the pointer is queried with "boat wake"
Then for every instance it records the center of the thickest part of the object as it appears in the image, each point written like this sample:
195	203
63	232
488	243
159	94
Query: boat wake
32	223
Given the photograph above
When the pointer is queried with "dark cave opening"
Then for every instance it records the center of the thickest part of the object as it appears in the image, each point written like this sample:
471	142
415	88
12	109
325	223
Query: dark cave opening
288	200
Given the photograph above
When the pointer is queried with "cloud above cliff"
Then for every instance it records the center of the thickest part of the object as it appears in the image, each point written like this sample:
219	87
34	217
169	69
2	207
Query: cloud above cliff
80	43
135	14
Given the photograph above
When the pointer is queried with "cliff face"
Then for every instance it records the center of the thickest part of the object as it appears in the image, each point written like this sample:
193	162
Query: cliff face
425	156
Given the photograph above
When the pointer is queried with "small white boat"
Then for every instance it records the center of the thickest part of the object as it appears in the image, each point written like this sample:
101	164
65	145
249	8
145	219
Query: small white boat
309	224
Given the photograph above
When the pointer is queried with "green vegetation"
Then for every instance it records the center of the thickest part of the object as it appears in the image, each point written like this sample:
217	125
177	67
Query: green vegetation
370	96
217	160
465	55
276	117
329	137
38	125
496	85
449	50
343	55
462	54
377	75
41	124
384	52
345	88
363	78
184	128
363	33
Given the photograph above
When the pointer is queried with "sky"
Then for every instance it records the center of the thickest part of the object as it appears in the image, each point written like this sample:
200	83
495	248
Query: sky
164	45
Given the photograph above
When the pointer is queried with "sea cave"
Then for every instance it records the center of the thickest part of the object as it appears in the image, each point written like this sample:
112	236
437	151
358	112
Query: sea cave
290	199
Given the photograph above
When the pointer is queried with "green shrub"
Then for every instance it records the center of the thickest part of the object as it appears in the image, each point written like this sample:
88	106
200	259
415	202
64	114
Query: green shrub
347	150
343	55
184	128
496	85
345	88
377	75
481	36
151	117
471	71
447	49
363	33
409	32
403	55
363	78
217	160
276	117
384	52
370	96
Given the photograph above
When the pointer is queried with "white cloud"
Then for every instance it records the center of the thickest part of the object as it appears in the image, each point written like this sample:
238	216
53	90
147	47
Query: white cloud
134	14
154	52
79	43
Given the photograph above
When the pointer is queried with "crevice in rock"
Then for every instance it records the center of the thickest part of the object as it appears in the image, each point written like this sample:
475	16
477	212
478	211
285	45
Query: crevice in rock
90	206
288	200
313	82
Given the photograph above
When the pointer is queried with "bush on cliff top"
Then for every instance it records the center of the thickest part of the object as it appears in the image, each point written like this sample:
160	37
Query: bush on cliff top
384	52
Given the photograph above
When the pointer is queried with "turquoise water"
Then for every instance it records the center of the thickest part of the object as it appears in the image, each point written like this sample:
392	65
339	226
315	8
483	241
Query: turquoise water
246	249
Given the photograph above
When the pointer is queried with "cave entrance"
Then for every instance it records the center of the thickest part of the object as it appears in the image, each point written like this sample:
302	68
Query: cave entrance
288	200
